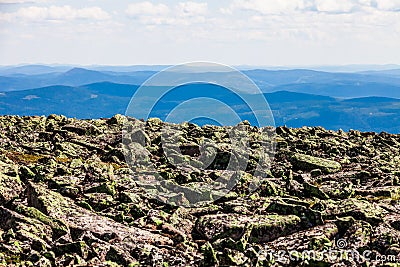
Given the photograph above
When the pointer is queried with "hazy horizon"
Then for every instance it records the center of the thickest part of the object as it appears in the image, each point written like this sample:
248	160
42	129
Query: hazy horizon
157	67
238	32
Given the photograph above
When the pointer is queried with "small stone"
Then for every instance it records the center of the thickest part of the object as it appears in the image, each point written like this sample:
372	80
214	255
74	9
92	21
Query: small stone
309	163
117	120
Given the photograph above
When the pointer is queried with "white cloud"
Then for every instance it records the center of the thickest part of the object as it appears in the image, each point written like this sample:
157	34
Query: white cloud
60	13
335	6
389	5
184	13
268	6
21	1
322	22
191	9
263	31
147	9
92	13
149	14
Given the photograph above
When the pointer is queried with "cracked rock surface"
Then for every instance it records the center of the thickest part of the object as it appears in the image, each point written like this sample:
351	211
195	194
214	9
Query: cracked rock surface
68	197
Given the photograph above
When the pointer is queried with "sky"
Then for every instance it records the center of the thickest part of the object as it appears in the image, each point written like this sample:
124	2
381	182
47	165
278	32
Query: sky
233	32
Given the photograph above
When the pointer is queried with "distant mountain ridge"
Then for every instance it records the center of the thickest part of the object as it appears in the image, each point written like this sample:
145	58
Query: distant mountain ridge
367	100
72	77
293	109
31	69
344	85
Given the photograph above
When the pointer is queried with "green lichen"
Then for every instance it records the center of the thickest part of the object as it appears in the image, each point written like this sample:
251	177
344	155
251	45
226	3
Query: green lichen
210	257
307	162
57	226
106	187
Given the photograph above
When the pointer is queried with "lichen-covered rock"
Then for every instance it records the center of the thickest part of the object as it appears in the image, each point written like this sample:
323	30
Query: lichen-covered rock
392	192
263	228
58	207
59	228
310	217
89	193
305	245
337	189
117	119
10	183
22	235
359	209
309	163
358	235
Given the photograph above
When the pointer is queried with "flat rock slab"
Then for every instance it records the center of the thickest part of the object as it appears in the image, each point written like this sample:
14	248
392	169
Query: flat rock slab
28	230
287	250
75	217
300	240
309	163
263	228
10	184
359	209
392	192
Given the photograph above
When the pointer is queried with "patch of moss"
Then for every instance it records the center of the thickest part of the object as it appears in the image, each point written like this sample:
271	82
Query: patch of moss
116	166
63	160
157	221
19	157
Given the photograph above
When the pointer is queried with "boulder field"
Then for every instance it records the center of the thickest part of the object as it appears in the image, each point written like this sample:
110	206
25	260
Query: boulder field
69	198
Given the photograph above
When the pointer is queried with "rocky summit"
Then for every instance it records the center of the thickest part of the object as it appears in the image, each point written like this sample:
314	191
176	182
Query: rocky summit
69	198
